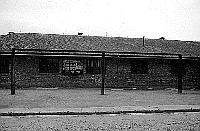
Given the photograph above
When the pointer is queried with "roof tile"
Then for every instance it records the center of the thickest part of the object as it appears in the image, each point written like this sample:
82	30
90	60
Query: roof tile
97	43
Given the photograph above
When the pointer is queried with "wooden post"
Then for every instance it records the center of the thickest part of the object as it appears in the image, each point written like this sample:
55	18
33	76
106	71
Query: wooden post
103	73
180	74
13	72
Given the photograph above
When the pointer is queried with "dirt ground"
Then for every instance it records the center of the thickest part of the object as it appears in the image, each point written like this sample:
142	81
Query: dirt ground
79	98
75	98
146	122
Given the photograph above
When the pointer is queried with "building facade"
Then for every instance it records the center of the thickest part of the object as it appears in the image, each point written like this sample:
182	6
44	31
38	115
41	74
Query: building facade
54	70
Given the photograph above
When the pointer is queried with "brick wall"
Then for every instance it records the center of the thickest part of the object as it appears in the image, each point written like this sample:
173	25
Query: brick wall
27	75
118	75
158	76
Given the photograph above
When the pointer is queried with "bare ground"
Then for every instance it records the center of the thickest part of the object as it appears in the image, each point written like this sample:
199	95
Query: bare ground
148	122
73	98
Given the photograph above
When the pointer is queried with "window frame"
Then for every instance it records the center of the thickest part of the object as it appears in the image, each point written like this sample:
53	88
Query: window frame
175	67
5	67
71	71
50	63
93	66
139	66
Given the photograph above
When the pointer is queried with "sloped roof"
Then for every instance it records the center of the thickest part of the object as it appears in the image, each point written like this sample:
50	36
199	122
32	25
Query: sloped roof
96	43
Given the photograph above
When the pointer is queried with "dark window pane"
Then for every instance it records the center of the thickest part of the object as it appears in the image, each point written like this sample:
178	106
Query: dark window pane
4	65
93	66
175	67
48	65
139	67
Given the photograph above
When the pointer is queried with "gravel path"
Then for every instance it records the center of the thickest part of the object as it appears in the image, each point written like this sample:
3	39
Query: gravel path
80	98
148	122
73	98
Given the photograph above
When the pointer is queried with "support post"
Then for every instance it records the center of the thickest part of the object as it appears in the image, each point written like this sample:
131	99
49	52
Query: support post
13	72
180	74
103	73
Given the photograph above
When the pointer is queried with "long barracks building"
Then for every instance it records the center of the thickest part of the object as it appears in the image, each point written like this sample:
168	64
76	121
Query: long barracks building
72	61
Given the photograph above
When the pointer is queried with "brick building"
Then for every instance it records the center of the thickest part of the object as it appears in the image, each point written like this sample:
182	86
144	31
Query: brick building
80	69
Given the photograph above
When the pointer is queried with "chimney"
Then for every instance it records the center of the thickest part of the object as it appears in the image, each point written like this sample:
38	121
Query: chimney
80	33
162	38
143	41
11	33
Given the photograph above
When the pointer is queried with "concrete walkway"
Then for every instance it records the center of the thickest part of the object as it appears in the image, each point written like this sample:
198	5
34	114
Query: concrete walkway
99	110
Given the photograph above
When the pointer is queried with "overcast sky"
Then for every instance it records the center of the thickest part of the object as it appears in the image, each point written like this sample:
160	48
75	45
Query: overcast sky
172	19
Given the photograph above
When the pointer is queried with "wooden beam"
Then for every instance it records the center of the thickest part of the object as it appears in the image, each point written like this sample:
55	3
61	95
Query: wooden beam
103	73
50	50
180	74
13	72
98	52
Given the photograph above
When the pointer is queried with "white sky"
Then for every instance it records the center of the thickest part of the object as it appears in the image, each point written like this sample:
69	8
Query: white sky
173	19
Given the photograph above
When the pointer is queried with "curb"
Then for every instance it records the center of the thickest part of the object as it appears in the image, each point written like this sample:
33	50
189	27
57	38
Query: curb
97	113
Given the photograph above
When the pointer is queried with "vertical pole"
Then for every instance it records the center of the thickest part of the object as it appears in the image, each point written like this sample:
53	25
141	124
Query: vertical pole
180	74
117	75
103	73
13	72
143	41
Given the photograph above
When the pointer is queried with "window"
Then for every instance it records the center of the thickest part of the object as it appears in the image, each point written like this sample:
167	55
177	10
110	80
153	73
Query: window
4	65
93	66
48	65
72	67
175	67
192	67
139	67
